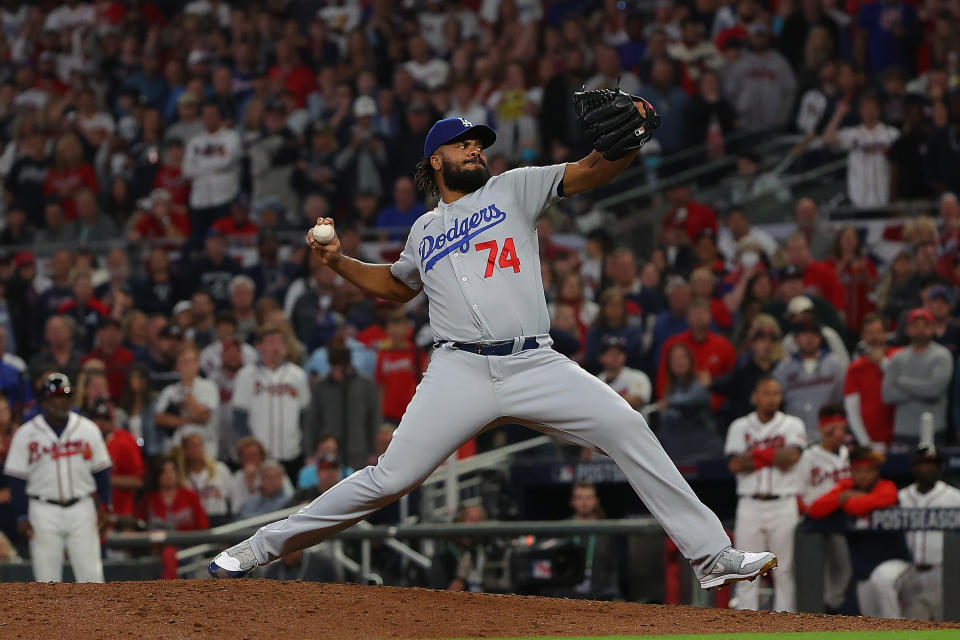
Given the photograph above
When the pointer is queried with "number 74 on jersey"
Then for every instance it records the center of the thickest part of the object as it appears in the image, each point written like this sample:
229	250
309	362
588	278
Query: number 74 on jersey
508	256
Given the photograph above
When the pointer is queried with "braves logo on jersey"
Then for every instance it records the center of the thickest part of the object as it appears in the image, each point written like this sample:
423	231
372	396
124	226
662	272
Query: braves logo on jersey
774	442
819	475
278	390
70	448
435	247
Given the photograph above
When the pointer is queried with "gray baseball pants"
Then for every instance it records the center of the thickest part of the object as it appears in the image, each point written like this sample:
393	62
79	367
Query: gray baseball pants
462	393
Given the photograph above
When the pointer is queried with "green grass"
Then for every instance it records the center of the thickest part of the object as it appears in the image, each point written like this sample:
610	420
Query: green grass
946	634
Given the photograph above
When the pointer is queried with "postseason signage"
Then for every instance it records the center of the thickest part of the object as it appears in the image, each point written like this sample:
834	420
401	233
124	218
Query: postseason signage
911	519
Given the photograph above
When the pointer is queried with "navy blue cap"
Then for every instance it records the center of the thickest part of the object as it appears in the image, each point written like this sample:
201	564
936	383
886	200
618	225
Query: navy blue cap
449	128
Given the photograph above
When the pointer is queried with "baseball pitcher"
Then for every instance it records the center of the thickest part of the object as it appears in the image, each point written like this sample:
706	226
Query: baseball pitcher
476	258
57	460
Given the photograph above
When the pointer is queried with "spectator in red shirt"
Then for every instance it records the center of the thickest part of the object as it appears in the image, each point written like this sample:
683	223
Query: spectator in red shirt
116	358
295	76
158	217
870	418
69	172
169	175
126	474
818	277
704	286
171	506
400	366
858	276
376	331
864	491
238	223
711	352
693	215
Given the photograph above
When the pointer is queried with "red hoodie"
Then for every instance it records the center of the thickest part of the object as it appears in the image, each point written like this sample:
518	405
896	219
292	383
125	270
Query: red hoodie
883	494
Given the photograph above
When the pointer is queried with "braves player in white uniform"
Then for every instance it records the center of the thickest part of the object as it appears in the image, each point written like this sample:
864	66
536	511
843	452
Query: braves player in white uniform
268	400
763	449
476	257
56	462
822	466
915	591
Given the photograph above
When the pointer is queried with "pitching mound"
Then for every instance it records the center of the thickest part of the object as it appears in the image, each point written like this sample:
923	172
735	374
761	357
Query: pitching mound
265	609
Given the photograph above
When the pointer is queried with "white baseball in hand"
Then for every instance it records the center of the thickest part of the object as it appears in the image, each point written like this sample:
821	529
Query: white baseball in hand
323	233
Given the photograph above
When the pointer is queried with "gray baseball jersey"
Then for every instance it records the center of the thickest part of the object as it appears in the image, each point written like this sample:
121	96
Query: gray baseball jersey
478	261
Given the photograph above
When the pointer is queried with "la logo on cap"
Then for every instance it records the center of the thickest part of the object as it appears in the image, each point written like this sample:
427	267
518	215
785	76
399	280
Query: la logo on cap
466	122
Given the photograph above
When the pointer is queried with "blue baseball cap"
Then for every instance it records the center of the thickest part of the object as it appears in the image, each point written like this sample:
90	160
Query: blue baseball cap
450	128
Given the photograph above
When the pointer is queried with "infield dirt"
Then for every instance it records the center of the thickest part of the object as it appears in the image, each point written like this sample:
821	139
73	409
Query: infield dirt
265	609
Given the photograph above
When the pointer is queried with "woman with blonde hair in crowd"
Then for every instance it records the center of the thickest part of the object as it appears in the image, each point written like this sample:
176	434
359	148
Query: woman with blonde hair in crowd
921	230
91	384
263	307
134	326
764	349
208	477
295	348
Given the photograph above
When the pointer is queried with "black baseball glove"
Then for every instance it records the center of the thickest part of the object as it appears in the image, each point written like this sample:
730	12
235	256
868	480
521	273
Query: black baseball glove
612	122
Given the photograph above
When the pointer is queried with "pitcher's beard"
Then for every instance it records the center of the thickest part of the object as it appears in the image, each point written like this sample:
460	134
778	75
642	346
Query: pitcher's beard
465	179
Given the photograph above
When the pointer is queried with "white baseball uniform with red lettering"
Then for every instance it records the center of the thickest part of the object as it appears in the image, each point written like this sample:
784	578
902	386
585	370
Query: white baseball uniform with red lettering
477	259
915	591
61	469
819	470
274	399
767	511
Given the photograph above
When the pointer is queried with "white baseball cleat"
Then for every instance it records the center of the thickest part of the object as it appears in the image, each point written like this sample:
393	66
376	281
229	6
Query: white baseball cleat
732	565
235	562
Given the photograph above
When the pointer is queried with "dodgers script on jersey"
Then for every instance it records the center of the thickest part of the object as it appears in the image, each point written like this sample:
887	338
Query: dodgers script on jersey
274	399
58	468
819	470
748	433
488	237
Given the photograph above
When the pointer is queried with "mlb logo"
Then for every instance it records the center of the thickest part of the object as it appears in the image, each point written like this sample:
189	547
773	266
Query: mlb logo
542	570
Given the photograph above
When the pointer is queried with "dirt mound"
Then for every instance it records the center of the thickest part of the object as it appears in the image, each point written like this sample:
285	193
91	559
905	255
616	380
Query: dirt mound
266	609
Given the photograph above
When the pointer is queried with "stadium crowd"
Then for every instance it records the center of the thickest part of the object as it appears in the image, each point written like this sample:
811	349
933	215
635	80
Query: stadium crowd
161	161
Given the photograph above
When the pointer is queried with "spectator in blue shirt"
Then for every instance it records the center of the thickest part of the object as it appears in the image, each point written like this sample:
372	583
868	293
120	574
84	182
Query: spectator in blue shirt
14	387
889	34
671	101
613	321
404	211
149	83
673	319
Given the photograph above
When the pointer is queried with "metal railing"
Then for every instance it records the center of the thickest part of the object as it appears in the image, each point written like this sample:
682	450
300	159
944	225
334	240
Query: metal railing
194	540
443	491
